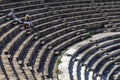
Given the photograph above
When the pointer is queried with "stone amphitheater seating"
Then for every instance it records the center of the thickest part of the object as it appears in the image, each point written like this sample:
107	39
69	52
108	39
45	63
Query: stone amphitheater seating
61	29
76	63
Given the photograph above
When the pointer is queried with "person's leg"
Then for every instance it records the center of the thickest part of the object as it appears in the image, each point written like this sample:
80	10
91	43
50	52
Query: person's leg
18	20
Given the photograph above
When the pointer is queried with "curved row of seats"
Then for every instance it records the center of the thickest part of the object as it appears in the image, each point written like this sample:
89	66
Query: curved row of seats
92	59
57	25
16	54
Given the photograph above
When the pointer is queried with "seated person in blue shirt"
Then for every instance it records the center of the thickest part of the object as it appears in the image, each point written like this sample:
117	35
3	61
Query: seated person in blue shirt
28	25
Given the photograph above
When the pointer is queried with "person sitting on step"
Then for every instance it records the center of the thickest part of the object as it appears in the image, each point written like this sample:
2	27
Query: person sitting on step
28	25
12	16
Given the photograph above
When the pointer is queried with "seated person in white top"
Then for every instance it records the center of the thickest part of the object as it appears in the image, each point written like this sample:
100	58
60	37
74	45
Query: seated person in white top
11	16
